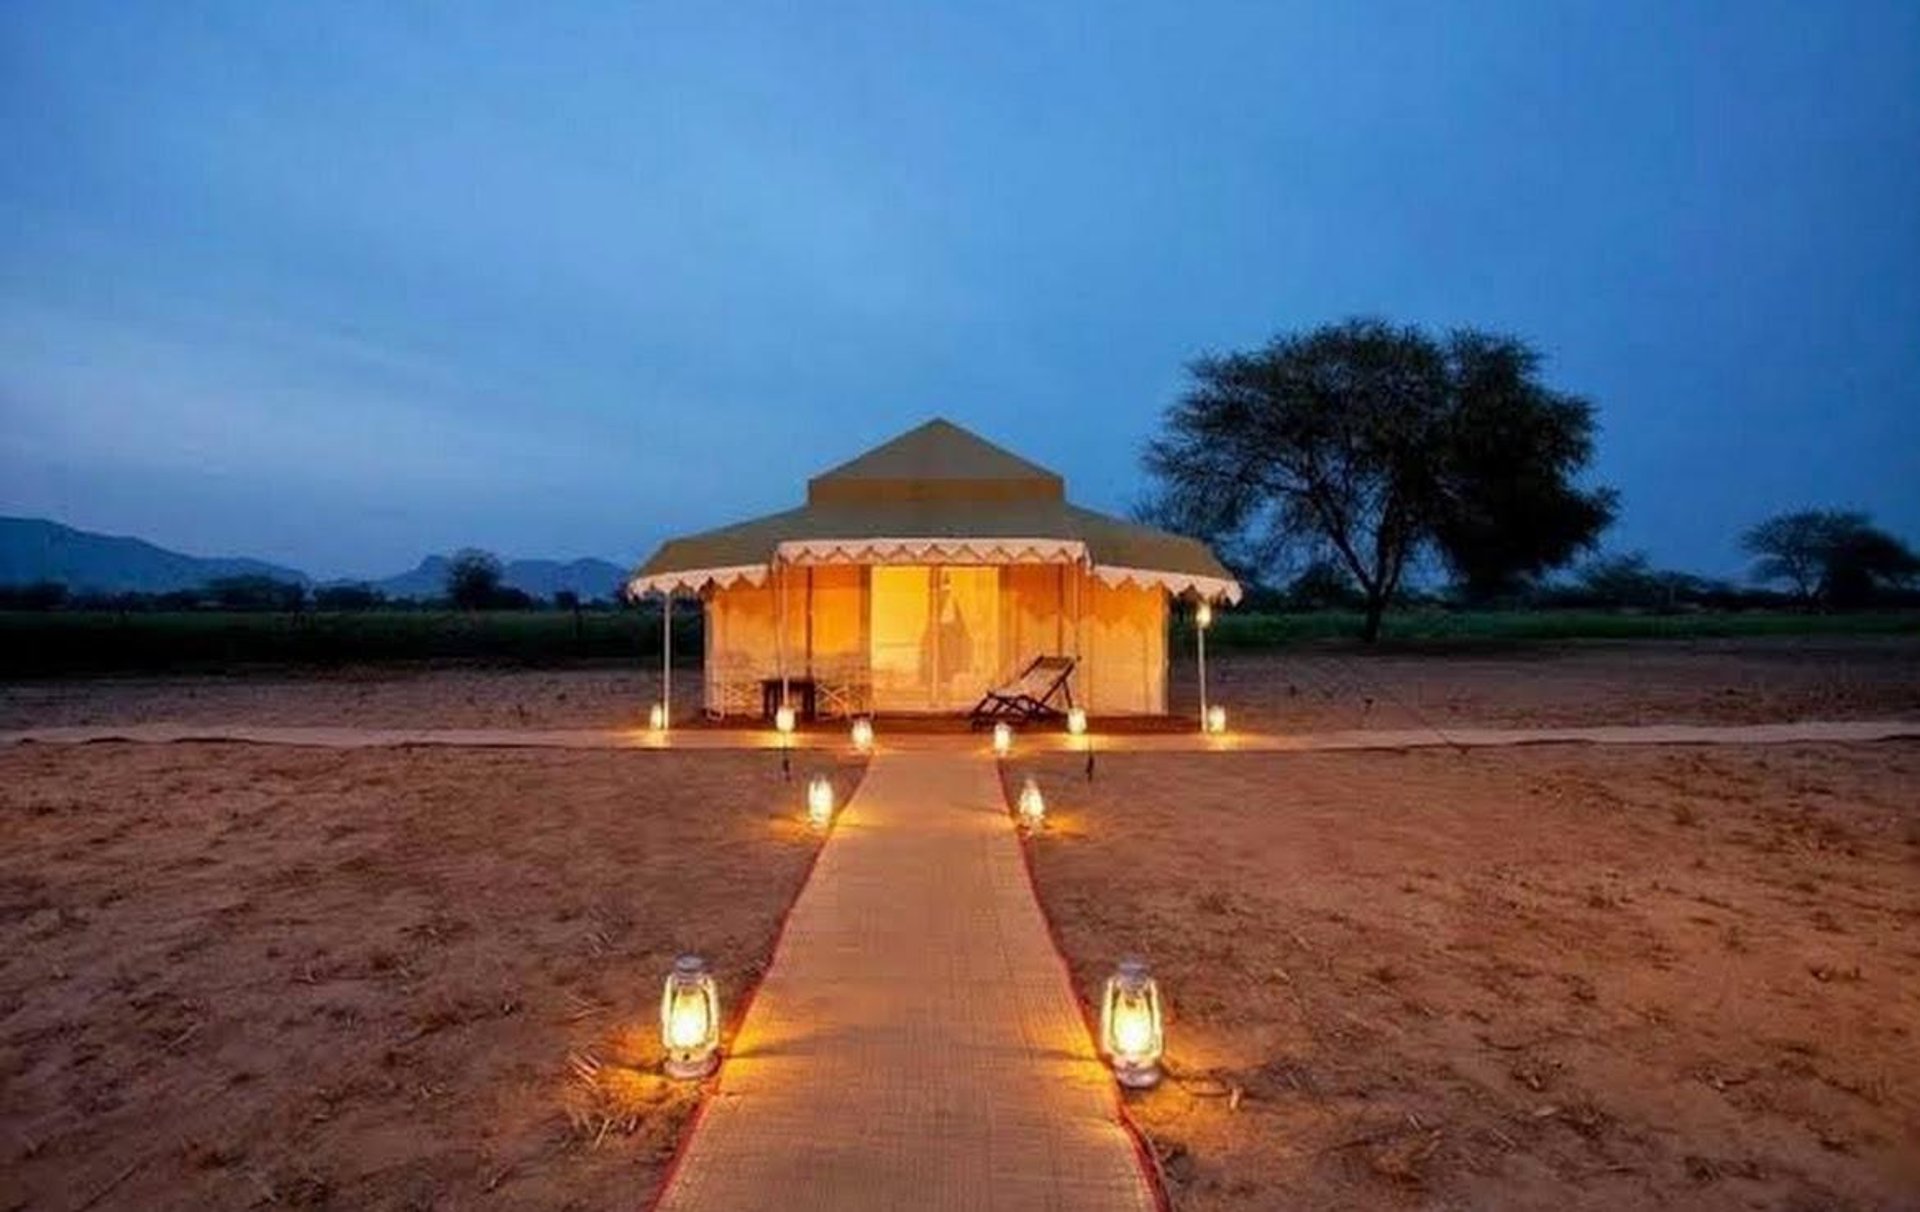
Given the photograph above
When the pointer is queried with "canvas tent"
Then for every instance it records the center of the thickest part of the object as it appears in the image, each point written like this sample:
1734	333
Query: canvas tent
926	570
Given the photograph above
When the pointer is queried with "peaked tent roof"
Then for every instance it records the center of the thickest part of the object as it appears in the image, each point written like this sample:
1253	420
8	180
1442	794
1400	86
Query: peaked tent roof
938	493
937	460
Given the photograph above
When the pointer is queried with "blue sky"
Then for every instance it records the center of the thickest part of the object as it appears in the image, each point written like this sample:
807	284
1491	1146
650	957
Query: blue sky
341	284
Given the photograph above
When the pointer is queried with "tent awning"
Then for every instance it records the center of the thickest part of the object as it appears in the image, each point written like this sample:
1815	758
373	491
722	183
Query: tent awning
937	494
1116	552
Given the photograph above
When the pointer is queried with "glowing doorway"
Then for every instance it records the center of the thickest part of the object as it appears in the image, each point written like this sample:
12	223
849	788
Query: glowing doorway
935	635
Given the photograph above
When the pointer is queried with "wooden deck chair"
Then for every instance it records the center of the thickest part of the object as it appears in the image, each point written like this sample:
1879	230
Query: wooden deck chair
1030	696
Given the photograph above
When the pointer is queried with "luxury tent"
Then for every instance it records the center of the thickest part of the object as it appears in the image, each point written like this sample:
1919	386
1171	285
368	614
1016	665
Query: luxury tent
925	571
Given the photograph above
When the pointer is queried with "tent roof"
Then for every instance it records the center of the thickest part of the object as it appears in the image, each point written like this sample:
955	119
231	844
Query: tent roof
937	460
938	493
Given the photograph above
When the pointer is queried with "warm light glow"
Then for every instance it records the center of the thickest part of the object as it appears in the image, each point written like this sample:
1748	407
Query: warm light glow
783	719
1033	807
1216	719
687	1025
1131	1033
690	1019
1132	1030
657	717
820	802
1002	740
1077	721
863	735
1204	615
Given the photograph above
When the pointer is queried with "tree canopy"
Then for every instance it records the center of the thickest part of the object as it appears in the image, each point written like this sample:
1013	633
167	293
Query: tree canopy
473	579
256	593
1375	444
1833	557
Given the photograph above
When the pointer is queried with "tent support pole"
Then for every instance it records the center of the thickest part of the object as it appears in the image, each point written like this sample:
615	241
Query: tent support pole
1079	661
1059	607
780	570
666	657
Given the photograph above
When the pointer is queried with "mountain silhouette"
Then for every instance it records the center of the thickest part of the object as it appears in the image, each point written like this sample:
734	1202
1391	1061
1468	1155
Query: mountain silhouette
35	550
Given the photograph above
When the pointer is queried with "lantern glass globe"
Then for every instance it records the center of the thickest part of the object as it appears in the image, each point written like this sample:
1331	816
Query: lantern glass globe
1132	1031
820	802
1032	806
690	1019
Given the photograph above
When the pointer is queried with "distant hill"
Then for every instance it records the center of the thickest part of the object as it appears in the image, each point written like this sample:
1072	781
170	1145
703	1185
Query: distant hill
34	550
542	578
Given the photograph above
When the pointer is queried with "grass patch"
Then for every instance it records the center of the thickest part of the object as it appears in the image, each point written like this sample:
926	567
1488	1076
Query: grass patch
1256	631
69	642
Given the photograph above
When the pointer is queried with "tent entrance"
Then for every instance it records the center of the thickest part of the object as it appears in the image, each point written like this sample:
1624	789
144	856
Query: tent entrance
934	635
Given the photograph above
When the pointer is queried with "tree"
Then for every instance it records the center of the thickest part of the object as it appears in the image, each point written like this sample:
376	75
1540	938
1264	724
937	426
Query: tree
1322	585
1631	580
1373	445
1829	556
348	597
252	592
508	597
38	595
473	579
1506	508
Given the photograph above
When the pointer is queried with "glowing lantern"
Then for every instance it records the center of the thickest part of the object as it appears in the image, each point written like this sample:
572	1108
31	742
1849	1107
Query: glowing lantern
1130	1028
1033	807
1002	740
1204	615
690	1019
863	735
1216	719
1077	721
820	802
783	721
657	717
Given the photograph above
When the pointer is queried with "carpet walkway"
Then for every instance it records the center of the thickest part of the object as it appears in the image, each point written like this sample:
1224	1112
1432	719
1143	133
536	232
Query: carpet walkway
916	1043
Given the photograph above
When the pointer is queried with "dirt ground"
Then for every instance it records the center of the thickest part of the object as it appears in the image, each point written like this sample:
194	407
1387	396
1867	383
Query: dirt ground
613	697
1309	689
1752	681
234	977
1552	977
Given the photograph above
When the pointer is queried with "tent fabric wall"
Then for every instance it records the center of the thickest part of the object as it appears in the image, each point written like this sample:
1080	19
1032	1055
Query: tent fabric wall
741	645
1118	632
1123	650
839	614
1032	598
743	626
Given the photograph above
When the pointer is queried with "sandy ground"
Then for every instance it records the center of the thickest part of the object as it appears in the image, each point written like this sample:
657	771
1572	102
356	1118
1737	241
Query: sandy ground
1313	689
1555	977
1634	682
234	976
612	697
